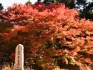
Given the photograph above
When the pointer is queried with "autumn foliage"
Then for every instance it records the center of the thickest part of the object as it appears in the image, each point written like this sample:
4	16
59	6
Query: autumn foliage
48	33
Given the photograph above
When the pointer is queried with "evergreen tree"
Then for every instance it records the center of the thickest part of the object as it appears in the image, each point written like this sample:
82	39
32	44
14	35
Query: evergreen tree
1	7
68	3
87	12
38	1
28	2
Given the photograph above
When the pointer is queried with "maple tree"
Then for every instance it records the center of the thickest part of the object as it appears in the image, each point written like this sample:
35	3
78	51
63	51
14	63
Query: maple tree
49	34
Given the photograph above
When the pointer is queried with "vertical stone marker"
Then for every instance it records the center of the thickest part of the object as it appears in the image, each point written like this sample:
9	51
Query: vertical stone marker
19	58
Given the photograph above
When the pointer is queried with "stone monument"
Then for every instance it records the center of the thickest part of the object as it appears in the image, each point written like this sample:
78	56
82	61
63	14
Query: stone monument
19	57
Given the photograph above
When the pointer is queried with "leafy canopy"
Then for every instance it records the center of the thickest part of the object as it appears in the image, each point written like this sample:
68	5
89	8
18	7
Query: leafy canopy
48	33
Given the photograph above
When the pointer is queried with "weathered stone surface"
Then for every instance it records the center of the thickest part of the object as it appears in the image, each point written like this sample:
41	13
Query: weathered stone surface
19	58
